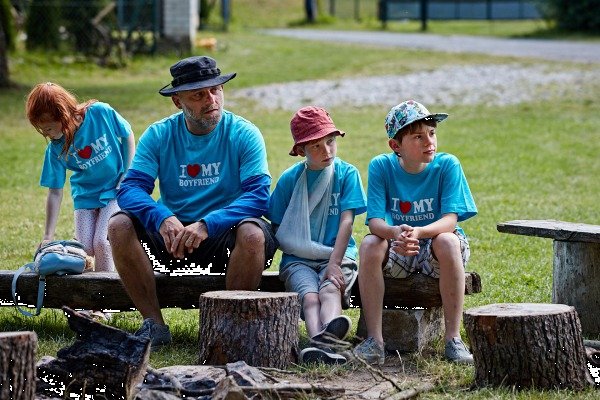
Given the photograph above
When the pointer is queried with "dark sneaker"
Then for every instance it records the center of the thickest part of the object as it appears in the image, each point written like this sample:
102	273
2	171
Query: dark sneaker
159	335
370	351
336	330
314	355
457	352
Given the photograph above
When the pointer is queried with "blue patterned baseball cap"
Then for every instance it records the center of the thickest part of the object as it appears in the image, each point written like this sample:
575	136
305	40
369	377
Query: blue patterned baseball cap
406	113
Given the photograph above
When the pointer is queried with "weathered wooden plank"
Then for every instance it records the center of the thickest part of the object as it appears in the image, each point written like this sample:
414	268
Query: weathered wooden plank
557	230
93	290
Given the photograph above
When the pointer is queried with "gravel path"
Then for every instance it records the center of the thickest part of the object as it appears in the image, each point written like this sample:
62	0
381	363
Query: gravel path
496	84
493	84
557	50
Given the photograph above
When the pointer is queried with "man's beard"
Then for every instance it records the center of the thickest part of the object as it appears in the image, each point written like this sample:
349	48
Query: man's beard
202	124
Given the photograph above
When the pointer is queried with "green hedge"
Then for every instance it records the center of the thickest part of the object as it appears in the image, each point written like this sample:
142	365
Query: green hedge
573	15
6	20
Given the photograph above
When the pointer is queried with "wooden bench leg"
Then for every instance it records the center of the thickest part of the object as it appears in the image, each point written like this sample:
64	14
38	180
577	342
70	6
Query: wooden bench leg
575	281
408	330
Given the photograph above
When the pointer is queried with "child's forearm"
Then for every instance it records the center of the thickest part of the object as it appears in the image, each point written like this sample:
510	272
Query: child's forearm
378	227
445	224
343	237
53	202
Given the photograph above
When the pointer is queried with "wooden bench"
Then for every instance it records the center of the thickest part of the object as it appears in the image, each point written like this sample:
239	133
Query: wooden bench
576	265
93	290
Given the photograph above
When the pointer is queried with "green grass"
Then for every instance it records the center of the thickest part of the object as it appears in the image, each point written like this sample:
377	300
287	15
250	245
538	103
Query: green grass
529	161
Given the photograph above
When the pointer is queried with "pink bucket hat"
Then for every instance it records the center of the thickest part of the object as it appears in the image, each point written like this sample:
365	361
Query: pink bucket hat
310	123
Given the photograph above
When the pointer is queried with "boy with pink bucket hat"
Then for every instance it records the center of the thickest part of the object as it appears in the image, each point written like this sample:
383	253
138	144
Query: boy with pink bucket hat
416	196
312	209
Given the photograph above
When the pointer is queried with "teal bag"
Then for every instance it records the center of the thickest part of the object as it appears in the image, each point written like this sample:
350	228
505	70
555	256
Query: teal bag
61	257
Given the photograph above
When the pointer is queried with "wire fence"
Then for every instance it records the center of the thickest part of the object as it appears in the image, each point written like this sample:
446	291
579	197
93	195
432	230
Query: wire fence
108	30
436	9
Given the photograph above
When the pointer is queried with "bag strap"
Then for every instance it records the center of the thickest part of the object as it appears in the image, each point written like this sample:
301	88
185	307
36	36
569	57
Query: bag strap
41	288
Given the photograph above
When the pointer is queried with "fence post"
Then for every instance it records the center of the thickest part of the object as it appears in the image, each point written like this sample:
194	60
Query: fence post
424	10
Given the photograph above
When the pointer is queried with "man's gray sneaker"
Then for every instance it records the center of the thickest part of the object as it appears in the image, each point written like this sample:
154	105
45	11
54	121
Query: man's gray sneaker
457	352
158	334
370	351
314	355
337	329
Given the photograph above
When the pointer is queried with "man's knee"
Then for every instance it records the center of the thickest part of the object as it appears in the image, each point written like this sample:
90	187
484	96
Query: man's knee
120	227
251	238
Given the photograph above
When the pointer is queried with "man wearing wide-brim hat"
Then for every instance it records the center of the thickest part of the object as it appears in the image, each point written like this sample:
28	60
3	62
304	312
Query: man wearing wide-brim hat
214	185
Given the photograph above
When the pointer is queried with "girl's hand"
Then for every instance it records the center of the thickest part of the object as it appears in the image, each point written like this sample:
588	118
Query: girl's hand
42	243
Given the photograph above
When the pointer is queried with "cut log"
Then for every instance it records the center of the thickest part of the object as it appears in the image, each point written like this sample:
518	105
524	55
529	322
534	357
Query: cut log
104	362
260	328
527	346
17	365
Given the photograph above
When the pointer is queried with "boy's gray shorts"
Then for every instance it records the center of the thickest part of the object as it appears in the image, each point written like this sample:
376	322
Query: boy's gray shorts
399	266
307	276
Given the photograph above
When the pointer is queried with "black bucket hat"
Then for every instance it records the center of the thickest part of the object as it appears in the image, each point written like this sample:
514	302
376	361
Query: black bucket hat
196	72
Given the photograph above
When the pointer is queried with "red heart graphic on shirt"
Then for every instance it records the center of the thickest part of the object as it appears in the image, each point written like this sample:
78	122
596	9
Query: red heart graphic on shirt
86	152
193	170
405	206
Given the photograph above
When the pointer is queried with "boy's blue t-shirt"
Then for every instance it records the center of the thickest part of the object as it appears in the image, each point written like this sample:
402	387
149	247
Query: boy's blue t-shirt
347	194
200	173
399	197
96	158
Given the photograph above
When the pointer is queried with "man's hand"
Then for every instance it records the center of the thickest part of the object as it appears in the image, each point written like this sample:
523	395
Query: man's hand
335	275
406	242
180	239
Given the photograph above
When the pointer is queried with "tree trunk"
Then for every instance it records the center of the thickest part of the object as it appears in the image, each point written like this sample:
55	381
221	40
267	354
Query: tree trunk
260	328
4	77
527	346
17	365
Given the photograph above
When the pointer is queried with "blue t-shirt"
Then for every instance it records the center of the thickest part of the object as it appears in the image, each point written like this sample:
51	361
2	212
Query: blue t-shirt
96	158
200	174
399	197
347	194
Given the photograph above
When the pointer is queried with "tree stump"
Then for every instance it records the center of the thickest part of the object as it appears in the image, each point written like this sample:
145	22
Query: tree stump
527	346
260	328
17	365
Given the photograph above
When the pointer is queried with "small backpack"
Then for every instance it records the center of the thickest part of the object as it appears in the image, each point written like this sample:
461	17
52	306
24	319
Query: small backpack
62	257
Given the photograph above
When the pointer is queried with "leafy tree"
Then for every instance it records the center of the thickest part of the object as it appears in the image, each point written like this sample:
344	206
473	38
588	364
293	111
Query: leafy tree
6	20
569	15
42	25
4	77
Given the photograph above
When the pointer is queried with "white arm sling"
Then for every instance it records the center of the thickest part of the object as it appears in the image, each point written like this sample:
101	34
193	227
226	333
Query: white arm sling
294	232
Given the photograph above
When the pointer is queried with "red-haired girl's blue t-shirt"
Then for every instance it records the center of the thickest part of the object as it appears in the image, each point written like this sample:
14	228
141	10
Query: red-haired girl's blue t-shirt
96	158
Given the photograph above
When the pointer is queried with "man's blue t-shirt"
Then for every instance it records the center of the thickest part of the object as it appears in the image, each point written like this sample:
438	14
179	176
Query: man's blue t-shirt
96	158
399	197
347	194
199	174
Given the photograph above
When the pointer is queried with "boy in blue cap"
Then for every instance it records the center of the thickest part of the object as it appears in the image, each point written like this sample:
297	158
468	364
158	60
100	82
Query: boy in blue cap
415	198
